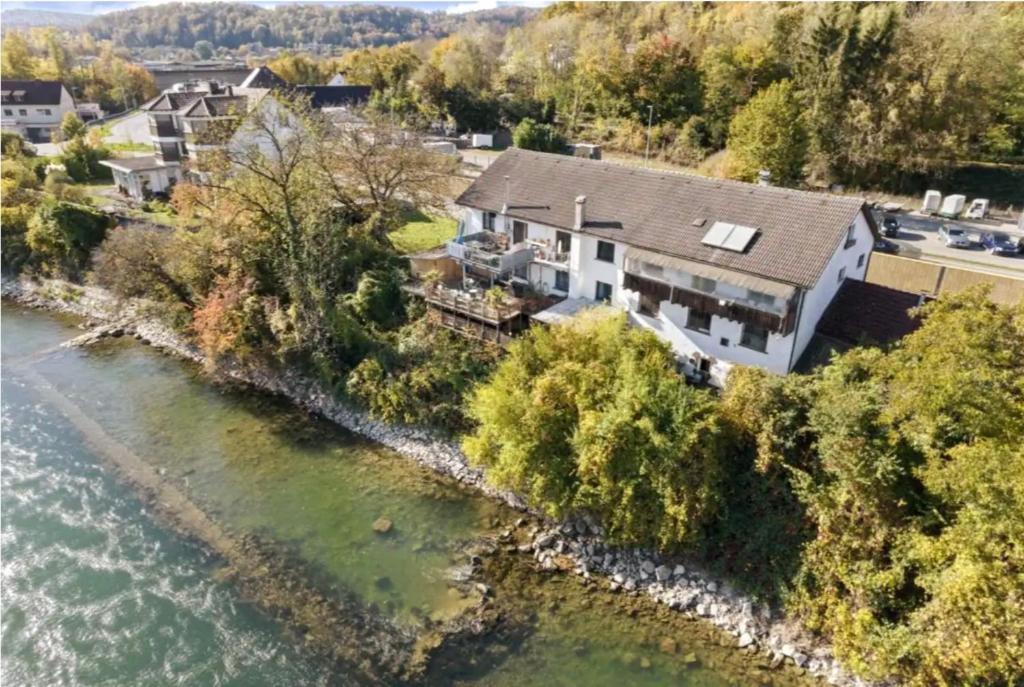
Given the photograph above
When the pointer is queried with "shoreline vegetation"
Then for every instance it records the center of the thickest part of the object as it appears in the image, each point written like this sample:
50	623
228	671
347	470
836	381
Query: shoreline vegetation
572	547
344	630
698	599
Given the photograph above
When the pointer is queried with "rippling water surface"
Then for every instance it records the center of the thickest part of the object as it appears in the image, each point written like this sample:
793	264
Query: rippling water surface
93	592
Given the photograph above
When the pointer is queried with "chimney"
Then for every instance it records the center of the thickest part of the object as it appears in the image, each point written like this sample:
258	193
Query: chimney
764	178
504	208
581	215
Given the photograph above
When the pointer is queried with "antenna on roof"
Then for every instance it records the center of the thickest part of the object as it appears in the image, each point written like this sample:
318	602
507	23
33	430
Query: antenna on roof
504	208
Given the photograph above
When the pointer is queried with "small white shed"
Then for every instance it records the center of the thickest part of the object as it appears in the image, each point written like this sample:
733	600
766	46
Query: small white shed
953	205
932	201
977	209
482	141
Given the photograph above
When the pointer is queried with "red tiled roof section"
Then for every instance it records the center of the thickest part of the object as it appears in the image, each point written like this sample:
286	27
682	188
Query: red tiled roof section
798	231
863	312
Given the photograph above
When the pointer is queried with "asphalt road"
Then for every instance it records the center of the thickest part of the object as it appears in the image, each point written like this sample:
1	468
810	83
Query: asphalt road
133	128
919	238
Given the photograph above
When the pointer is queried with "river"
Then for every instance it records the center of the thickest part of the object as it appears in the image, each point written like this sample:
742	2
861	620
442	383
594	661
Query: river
98	592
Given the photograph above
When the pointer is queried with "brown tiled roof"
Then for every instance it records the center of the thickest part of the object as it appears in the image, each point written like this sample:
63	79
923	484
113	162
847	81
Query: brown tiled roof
668	212
862	312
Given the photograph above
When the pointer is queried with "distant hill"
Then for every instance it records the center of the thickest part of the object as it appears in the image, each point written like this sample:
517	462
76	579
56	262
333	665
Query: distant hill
25	19
233	24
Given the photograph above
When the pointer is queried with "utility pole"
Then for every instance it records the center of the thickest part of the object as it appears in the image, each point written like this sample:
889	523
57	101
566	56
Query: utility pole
650	121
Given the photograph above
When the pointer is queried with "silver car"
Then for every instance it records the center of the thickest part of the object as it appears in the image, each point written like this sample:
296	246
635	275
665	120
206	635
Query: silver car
954	237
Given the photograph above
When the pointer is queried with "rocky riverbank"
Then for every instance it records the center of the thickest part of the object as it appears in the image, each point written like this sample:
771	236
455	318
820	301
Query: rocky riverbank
577	546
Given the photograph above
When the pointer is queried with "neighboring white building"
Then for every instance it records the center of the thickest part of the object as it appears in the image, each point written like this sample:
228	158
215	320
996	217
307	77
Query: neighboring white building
178	120
726	272
34	109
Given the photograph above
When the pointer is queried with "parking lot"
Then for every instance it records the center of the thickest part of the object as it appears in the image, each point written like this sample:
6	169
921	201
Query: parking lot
919	238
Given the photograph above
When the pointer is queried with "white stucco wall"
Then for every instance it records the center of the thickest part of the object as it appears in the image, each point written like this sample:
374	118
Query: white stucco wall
818	298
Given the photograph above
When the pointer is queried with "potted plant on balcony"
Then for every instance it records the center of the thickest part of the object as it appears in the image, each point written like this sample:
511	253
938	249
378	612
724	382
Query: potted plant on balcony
431	279
495	298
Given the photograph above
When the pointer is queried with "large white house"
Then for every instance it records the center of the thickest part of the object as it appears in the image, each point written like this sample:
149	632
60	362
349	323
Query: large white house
726	272
34	109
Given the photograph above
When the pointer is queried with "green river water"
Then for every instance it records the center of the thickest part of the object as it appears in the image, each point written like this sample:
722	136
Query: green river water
96	593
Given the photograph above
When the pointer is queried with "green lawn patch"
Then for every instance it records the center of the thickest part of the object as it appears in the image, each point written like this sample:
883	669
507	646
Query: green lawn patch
421	231
129	147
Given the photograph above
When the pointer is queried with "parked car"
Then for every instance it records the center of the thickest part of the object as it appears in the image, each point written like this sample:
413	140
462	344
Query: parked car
887	246
998	243
890	226
954	237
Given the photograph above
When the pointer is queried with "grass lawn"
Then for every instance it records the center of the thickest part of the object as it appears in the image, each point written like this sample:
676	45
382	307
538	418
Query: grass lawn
421	232
129	147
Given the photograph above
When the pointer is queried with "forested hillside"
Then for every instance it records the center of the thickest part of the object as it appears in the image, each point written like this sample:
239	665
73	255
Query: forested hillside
859	94
232	25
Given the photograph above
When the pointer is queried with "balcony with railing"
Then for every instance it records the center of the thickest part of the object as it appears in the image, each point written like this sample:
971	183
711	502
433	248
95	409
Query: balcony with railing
780	320
556	255
490	251
493	314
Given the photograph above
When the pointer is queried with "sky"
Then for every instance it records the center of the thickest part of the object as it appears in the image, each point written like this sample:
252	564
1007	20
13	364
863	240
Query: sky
93	8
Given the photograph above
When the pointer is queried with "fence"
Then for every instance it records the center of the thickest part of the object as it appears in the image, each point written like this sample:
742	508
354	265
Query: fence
917	276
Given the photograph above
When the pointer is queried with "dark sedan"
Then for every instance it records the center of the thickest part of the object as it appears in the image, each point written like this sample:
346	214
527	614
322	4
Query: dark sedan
890	226
887	246
998	243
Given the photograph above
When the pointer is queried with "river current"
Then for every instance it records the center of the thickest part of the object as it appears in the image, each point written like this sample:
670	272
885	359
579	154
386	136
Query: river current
97	592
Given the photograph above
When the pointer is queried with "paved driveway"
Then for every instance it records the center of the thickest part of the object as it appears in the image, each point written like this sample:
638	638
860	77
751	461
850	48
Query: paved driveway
133	128
919	238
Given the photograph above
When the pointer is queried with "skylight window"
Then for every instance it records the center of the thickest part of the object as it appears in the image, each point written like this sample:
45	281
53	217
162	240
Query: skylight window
734	237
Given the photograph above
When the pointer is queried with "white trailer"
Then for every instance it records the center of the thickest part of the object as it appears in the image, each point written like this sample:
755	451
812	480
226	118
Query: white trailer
932	201
482	141
977	209
952	205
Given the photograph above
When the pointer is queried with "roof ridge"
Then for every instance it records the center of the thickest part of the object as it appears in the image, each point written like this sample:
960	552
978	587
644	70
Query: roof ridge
657	172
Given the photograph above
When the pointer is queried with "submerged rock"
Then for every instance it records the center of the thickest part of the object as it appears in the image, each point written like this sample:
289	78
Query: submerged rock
382	525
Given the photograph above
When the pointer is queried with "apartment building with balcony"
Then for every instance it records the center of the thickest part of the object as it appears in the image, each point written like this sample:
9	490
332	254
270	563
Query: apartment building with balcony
194	117
180	121
725	272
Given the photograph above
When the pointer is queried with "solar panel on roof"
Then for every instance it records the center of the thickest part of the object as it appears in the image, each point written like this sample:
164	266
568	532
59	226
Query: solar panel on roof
734	237
739	238
718	232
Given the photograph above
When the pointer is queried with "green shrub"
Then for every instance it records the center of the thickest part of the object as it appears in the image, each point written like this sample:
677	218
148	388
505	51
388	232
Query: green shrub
62	235
591	415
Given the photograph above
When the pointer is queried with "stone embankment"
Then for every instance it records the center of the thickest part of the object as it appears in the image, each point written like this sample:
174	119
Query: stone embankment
576	546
